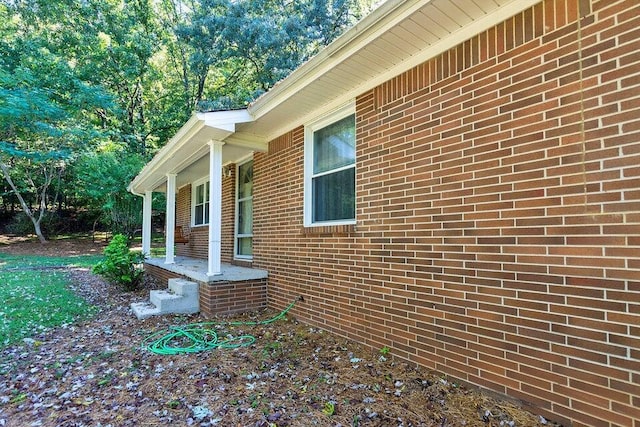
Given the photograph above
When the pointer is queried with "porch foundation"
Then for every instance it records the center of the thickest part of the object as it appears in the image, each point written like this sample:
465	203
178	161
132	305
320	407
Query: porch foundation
236	290
221	298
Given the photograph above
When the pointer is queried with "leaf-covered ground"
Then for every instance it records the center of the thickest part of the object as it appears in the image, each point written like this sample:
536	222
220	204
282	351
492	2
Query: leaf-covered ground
96	373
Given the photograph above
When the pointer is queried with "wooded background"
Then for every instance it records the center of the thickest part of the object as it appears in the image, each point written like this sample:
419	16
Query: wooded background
91	89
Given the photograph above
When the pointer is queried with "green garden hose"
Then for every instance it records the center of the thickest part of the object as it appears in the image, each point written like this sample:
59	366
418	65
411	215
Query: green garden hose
201	337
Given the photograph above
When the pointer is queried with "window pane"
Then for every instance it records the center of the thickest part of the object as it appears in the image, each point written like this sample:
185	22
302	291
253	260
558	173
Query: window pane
200	194
245	246
245	180
334	196
245	217
198	215
206	213
334	145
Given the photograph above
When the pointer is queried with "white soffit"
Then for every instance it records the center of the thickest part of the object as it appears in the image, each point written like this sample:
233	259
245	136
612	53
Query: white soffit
394	38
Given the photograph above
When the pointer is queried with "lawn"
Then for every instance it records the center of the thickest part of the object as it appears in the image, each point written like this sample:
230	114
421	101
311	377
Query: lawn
35	294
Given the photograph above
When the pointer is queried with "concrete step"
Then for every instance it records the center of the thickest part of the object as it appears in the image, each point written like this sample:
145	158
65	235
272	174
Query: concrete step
181	298
168	302
183	287
142	310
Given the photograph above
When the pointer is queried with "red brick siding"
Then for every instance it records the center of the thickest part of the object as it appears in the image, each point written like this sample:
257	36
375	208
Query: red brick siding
199	236
233	297
228	214
497	240
161	274
183	207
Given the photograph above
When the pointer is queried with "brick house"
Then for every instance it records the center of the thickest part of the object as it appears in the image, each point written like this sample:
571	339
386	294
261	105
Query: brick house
456	180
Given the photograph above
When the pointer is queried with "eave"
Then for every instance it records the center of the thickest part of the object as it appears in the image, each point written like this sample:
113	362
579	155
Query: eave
391	40
190	145
394	38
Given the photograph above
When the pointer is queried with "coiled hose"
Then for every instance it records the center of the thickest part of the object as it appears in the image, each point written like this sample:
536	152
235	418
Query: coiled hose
198	337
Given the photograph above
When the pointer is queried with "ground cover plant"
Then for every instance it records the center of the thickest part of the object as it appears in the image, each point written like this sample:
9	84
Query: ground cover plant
95	372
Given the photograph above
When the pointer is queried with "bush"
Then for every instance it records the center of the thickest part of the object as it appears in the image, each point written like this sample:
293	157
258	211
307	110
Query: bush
121	265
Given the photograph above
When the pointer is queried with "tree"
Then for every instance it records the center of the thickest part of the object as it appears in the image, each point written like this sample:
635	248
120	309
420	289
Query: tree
45	114
102	178
228	52
77	76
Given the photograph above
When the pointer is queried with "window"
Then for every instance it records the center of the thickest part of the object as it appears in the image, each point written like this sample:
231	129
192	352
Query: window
200	203
330	159
244	211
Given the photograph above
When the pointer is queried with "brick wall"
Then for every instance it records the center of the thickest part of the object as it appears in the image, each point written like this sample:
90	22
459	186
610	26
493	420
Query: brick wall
228	214
233	297
199	236
497	237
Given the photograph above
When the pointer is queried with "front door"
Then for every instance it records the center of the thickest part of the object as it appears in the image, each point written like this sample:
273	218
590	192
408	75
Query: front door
244	211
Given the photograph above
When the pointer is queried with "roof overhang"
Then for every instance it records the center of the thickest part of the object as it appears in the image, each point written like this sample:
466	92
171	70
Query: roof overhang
190	146
394	38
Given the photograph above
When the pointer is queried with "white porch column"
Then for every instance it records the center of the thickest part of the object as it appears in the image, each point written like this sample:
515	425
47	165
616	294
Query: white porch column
146	223
171	218
215	207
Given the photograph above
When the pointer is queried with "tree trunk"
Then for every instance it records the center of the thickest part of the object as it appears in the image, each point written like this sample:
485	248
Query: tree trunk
38	230
23	203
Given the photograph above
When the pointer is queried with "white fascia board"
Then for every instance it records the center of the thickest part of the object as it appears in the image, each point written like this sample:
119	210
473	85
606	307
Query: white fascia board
432	51
225	119
454	39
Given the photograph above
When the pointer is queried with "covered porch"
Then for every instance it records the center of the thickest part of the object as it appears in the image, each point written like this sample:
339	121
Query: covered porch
199	155
197	172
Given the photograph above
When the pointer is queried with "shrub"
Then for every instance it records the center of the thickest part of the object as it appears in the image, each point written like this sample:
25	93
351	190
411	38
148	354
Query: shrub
121	265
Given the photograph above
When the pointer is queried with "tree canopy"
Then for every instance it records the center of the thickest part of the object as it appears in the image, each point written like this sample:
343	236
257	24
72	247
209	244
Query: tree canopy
88	83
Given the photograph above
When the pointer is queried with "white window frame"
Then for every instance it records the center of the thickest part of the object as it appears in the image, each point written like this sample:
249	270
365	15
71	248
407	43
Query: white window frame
237	207
194	185
309	129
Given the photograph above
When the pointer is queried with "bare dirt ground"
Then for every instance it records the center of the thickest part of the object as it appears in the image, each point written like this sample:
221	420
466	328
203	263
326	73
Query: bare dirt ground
97	373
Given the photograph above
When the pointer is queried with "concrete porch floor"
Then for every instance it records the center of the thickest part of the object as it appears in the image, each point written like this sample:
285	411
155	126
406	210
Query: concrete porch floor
196	269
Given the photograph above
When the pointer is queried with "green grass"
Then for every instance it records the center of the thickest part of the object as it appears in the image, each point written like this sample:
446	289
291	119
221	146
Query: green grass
34	300
19	262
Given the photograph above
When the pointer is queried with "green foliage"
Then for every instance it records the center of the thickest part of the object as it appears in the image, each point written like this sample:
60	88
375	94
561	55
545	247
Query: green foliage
21	225
35	299
121	264
329	409
80	75
102	179
46	111
234	50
